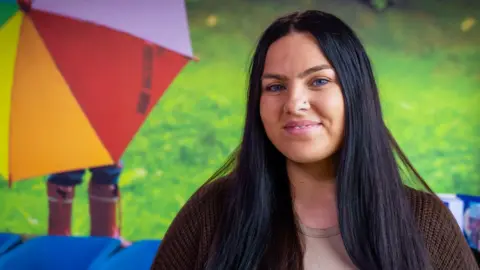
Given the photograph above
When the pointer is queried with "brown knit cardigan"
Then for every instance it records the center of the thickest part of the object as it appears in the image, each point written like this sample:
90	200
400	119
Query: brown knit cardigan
188	239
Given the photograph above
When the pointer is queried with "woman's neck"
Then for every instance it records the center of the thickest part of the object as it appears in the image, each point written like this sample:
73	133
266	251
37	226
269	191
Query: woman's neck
313	193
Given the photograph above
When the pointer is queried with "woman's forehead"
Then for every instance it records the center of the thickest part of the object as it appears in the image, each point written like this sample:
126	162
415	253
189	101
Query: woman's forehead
294	53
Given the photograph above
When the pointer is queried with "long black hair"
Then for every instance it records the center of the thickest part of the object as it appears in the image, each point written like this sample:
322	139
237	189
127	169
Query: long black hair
258	227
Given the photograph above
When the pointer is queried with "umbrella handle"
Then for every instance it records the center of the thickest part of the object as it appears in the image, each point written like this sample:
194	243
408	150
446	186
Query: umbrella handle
25	5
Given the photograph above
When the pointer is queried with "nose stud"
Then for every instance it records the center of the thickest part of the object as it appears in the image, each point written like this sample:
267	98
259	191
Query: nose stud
303	106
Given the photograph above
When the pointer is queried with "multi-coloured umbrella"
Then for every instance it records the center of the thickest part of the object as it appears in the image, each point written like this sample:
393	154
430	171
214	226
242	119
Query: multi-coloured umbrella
78	78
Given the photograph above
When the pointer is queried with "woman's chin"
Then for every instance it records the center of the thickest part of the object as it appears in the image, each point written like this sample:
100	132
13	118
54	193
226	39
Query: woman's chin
307	157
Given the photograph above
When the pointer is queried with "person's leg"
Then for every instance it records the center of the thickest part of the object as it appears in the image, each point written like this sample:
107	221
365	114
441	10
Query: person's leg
61	191
104	198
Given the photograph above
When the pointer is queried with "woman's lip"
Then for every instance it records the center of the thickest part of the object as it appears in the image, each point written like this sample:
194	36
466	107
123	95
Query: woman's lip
301	124
302	129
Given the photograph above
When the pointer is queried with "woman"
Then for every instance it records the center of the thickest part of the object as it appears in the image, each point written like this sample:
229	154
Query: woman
315	182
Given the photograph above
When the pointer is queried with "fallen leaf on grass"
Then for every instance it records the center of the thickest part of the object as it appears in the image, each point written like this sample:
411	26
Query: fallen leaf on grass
467	24
211	21
180	200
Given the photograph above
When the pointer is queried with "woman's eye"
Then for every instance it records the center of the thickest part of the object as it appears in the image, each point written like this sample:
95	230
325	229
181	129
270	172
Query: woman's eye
275	88
319	82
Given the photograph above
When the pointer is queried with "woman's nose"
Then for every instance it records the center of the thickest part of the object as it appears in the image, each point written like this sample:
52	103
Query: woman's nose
297	102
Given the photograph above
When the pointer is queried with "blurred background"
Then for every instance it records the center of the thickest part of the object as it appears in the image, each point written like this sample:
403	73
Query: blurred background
426	57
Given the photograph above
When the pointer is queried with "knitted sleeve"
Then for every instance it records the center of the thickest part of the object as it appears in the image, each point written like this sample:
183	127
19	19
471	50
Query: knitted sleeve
187	240
445	242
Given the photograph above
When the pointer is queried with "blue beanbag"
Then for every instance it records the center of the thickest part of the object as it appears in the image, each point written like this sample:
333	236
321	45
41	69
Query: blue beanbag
138	256
60	253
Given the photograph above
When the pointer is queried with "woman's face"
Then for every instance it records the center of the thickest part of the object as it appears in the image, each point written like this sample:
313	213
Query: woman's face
301	105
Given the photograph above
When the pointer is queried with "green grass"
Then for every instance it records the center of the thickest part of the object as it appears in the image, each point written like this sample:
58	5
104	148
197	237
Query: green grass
428	74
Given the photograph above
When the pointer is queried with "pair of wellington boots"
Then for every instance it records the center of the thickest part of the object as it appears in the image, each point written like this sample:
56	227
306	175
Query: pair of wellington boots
103	201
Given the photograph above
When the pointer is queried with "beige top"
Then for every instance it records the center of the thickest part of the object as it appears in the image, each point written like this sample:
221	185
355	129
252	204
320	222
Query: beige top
324	249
